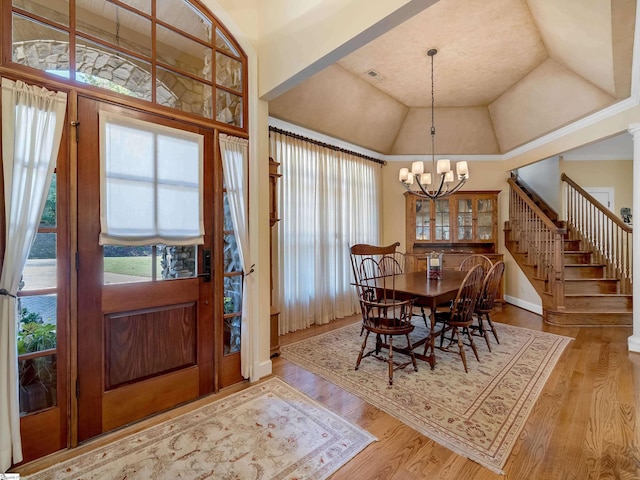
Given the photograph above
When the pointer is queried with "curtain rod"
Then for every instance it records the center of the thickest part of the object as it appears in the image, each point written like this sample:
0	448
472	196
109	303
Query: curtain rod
327	145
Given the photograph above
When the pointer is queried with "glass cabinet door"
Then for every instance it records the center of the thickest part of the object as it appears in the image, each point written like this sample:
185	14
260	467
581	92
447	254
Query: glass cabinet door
485	219
442	219
465	219
423	220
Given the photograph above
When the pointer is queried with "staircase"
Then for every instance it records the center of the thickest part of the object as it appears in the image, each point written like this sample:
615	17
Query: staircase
580	267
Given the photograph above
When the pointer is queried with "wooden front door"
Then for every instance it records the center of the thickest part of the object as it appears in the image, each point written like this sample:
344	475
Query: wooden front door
145	343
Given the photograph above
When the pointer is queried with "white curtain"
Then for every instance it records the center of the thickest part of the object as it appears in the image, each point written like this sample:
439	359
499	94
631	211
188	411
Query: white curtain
150	183
328	201
235	157
32	121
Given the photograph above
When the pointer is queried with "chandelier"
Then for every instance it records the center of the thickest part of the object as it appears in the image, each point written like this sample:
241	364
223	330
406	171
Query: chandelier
440	183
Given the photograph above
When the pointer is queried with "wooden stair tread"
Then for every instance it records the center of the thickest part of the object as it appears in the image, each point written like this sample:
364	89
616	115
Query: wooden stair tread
602	279
591	295
573	265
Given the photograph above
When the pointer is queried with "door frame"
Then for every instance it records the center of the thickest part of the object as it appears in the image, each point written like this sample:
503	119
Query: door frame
610	191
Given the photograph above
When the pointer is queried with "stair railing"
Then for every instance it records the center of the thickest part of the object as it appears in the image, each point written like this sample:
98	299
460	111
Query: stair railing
540	238
603	232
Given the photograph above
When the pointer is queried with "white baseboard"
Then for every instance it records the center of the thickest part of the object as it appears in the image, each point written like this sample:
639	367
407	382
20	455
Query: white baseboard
532	307
634	343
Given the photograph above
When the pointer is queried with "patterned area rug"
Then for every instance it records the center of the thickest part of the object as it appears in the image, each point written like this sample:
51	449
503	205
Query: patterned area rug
477	415
267	431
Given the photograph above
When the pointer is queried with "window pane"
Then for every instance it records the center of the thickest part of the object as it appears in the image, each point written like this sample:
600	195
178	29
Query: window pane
128	264
56	11
228	72
465	219
142	5
442	219
39	46
37	323
177	261
423	220
44	247
224	44
37	332
229	108
38	383
151	183
233	294
184	93
48	218
103	67
40	270
231	258
228	224
485	223
182	15
232	304
115	25
183	53
485	205
232	330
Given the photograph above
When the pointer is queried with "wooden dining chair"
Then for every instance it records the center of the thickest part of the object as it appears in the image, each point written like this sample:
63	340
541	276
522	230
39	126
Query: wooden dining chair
466	265
473	260
486	302
365	260
362	251
460	315
383	314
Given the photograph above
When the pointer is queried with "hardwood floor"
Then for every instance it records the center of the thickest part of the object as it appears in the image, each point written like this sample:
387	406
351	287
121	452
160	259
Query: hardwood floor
585	424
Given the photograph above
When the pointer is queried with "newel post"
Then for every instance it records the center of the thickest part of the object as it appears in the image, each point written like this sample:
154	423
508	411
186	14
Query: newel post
634	339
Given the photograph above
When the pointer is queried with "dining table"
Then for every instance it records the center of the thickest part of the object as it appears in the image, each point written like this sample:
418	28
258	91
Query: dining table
428	293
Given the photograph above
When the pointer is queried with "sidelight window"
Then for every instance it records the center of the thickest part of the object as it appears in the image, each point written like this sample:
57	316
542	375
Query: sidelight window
38	315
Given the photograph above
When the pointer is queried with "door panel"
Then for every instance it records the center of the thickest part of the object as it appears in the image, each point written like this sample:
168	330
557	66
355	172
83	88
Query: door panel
144	343
142	347
132	402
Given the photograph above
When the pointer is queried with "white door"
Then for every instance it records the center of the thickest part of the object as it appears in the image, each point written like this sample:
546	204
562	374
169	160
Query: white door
603	194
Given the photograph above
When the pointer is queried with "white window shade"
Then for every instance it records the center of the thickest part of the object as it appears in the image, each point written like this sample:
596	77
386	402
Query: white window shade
150	183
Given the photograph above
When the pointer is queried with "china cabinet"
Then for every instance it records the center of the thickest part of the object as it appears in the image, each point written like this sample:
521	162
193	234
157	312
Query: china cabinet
457	225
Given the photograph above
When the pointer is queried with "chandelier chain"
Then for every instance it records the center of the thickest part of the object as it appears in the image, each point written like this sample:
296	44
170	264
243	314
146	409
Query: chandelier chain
433	116
440	182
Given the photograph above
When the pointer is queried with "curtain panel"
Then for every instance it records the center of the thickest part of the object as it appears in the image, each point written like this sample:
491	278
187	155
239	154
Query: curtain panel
328	201
32	122
235	158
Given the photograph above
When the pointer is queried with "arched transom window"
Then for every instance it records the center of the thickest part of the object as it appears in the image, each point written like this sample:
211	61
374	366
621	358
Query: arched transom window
169	52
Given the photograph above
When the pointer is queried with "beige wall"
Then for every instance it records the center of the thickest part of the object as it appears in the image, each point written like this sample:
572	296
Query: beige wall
617	174
245	15
484	175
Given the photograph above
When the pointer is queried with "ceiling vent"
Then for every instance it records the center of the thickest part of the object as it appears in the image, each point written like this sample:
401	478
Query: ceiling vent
373	74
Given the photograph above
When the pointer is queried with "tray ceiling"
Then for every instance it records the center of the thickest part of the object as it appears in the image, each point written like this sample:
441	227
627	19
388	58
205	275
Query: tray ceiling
506	73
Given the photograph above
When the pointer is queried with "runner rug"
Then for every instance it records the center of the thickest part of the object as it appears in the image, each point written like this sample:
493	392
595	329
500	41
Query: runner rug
478	415
267	431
